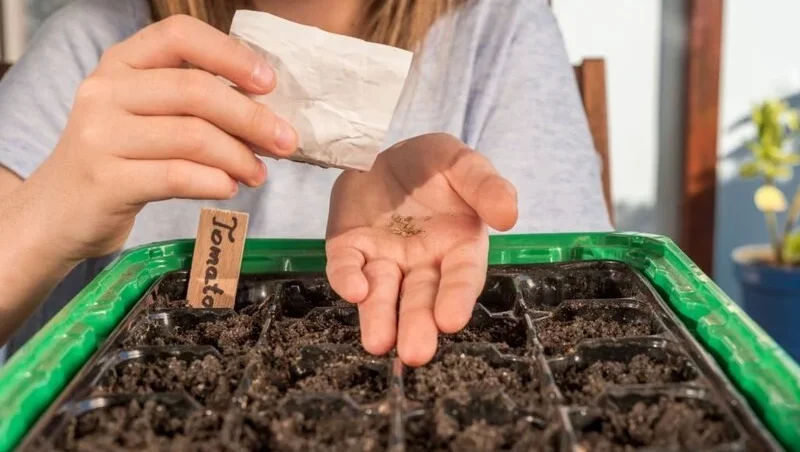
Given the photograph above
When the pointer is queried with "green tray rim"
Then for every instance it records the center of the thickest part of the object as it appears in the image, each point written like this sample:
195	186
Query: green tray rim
761	370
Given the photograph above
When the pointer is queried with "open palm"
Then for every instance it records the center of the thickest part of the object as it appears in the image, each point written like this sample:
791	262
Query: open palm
414	228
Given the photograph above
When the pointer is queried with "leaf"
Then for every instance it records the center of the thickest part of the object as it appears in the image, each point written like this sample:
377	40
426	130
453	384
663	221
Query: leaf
756	149
749	170
757	115
769	170
776	107
772	152
793	120
783	173
791	248
791	159
769	198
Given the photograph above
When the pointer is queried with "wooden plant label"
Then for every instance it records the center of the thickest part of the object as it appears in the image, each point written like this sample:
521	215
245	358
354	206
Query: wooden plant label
217	258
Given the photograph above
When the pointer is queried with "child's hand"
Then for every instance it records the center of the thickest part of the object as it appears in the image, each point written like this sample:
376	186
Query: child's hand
435	261
144	127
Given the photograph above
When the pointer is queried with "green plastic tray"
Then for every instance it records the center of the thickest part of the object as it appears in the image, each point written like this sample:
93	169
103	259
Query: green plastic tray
762	371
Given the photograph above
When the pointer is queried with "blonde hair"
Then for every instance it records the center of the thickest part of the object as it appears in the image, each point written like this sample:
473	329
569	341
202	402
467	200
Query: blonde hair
398	23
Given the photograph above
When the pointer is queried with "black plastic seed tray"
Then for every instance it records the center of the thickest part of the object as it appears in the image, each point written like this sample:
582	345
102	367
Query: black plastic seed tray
580	356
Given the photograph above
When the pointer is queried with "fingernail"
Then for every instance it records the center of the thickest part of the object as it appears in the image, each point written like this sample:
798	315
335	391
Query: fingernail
261	172
263	75
284	136
511	189
234	188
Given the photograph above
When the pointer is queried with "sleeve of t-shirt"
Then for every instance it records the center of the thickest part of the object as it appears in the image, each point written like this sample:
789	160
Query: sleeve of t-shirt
532	123
36	95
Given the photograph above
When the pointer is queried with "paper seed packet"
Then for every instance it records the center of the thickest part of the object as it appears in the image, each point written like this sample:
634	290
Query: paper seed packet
338	92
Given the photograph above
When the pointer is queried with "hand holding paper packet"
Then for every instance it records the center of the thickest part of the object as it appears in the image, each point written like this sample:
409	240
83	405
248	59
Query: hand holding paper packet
338	92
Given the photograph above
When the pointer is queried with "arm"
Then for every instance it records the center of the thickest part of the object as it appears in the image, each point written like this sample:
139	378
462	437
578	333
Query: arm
35	100
142	128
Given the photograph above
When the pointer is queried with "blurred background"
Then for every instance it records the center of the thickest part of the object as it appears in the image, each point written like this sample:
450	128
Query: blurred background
656	122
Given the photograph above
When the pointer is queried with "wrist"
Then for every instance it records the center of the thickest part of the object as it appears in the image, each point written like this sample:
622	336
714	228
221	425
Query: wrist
52	209
33	227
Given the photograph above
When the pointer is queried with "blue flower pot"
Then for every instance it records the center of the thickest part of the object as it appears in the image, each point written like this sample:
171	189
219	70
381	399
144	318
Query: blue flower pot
771	296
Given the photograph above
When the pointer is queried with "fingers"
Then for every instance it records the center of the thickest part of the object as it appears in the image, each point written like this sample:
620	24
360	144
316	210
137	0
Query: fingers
417	332
378	313
494	198
189	138
463	276
344	270
183	39
167	92
158	180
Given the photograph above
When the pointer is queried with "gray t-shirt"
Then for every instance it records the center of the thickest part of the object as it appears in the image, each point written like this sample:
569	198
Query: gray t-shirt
494	74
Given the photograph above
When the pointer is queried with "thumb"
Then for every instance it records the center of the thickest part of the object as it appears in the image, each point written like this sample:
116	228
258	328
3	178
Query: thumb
479	184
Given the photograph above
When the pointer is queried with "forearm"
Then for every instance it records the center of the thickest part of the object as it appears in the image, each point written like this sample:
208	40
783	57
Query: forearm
33	264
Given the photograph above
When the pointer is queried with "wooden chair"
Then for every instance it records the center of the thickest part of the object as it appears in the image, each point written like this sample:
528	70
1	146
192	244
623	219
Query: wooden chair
591	77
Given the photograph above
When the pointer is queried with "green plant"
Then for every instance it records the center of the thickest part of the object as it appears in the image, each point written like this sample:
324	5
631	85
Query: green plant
774	161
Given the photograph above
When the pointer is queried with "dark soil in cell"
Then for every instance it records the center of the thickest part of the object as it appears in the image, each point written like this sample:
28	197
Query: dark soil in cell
442	434
578	286
143	428
360	382
296	432
482	421
231	335
507	335
299	299
331	326
582	282
210	381
174	288
363	383
499	295
265	385
456	375
582	385
334	433
269	424
668	423
163	302
559	336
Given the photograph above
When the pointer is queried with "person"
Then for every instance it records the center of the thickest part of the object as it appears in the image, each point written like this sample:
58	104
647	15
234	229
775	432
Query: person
115	131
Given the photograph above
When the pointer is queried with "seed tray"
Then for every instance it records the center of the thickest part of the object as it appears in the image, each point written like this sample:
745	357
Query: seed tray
556	357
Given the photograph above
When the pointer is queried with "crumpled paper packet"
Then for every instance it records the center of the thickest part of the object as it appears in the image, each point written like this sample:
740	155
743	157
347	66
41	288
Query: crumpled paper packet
338	92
